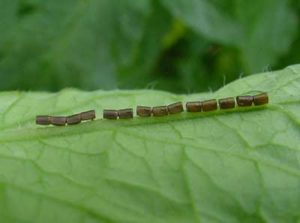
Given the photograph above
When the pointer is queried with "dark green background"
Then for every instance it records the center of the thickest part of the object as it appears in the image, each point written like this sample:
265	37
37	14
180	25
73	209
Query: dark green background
182	46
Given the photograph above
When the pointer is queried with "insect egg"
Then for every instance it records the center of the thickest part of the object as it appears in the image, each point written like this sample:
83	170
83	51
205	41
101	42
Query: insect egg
125	113
58	120
175	108
88	115
227	103
261	99
194	106
244	101
160	111
143	111
43	120
74	119
209	105
110	114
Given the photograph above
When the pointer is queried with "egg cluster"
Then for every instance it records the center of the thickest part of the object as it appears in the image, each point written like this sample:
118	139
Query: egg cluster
157	111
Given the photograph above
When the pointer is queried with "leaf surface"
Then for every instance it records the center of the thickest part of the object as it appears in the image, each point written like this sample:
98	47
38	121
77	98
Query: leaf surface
261	30
87	44
237	166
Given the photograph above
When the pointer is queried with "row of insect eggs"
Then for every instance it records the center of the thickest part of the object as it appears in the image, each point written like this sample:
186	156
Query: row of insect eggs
146	111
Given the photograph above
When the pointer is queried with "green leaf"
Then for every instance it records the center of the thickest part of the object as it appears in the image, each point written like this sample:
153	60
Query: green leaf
262	30
48	45
204	17
238	166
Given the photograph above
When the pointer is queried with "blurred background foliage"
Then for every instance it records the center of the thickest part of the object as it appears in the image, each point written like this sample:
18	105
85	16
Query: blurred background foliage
182	46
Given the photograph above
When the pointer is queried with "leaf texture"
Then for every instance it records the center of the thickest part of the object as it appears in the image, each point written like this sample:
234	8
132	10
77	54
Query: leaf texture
237	166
